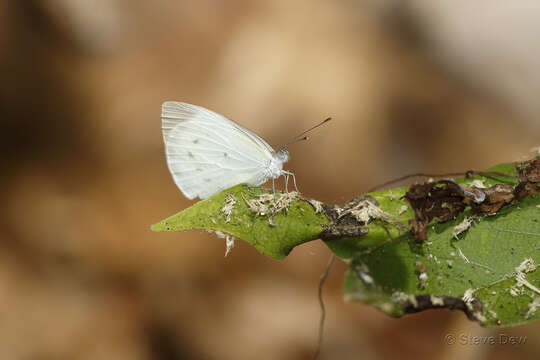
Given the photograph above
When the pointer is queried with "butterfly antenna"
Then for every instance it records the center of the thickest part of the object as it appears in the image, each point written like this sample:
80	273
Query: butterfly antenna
301	137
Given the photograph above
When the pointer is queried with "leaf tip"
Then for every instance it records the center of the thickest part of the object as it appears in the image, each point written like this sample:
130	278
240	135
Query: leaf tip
160	226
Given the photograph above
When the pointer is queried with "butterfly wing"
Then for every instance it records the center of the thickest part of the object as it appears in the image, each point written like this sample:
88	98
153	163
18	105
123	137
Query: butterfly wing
207	153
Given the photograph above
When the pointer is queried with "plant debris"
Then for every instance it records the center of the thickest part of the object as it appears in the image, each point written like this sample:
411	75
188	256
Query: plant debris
229	240
462	226
441	200
478	184
444	200
423	276
495	197
362	271
270	204
317	205
529	178
365	211
533	305
526	266
352	218
229	244
228	206
472	307
402	209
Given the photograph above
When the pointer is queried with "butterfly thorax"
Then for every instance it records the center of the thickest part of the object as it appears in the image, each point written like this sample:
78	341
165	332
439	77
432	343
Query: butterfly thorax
275	166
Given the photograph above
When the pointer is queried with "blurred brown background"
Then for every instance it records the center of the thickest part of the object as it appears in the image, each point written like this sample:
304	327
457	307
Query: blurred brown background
412	86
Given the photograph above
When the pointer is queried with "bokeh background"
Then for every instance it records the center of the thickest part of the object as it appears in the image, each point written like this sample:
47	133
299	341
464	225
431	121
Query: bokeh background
412	86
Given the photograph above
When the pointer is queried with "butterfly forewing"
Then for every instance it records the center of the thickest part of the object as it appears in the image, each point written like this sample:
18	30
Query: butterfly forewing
173	112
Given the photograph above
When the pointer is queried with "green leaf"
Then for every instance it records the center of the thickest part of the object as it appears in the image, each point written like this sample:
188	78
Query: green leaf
385	271
296	225
392	202
390	269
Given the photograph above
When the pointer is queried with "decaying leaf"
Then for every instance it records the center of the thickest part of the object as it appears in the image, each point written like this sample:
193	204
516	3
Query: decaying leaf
495	197
445	199
441	200
529	178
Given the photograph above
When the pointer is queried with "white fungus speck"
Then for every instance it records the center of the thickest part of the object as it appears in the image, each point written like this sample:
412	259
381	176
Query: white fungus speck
402	209
228	206
462	226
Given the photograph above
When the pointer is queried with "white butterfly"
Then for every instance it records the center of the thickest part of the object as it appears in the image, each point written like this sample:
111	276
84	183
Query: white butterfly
207	153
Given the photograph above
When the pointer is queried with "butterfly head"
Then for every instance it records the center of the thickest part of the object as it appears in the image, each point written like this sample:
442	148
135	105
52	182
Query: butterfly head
282	155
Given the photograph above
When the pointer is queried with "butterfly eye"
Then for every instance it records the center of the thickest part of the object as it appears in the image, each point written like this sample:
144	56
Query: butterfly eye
283	155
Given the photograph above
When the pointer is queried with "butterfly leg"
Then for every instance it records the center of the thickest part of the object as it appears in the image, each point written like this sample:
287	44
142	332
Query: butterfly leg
288	173
294	182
